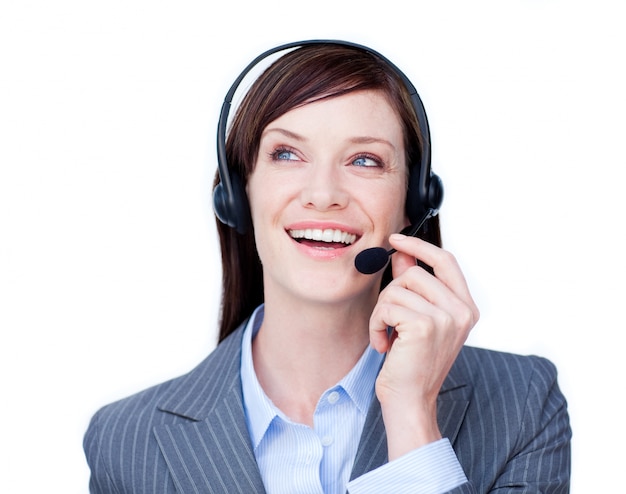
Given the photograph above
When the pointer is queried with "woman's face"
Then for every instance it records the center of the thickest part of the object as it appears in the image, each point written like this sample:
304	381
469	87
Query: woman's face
329	181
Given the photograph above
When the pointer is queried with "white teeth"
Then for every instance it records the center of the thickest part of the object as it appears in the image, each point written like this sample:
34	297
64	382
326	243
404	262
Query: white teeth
328	235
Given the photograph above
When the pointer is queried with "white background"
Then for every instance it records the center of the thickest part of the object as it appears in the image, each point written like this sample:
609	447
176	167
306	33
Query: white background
109	271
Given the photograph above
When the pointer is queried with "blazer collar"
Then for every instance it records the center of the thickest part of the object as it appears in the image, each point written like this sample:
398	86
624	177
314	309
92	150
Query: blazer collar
196	394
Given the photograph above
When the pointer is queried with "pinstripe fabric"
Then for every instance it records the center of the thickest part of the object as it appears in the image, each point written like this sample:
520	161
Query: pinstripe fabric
503	414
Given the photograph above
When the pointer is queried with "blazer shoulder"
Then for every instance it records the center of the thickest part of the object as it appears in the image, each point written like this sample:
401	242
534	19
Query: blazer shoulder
484	365
216	372
512	383
118	430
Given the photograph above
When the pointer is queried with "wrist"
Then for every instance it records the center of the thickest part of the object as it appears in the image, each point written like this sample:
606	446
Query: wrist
409	427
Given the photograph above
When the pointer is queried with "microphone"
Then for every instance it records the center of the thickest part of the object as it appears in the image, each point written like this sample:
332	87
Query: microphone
372	260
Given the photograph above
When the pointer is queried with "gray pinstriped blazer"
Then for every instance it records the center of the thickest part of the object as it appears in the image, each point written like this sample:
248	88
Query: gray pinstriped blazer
503	413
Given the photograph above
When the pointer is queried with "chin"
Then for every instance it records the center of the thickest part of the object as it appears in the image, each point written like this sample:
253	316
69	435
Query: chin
332	288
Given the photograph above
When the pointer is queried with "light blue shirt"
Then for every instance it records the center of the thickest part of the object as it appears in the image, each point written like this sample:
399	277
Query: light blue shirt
294	458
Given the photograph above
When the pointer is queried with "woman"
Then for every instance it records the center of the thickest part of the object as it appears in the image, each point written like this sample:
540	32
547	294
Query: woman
310	390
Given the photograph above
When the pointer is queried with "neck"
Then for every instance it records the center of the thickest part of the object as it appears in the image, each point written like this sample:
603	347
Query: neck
301	350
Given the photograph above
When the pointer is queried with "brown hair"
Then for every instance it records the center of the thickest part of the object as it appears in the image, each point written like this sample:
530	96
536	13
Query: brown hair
306	74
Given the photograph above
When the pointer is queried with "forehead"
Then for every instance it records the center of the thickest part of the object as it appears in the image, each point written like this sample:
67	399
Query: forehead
361	113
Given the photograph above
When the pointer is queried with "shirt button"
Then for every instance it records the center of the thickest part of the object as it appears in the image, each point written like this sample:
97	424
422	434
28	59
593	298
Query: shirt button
333	397
327	441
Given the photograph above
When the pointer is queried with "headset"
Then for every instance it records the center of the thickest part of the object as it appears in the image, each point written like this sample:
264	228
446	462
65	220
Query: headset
230	202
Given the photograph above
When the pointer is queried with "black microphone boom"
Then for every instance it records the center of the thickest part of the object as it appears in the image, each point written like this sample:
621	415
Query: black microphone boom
372	260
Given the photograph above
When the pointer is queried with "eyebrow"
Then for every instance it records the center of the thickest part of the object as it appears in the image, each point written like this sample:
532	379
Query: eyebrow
355	140
372	140
286	133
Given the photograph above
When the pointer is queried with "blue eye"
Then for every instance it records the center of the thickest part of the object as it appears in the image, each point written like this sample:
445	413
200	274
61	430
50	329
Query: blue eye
283	154
366	161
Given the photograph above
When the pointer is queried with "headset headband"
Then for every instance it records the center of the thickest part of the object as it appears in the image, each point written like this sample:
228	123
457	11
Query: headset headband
225	199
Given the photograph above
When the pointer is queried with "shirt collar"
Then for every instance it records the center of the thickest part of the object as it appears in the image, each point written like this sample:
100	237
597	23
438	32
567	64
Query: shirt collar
260	411
359	382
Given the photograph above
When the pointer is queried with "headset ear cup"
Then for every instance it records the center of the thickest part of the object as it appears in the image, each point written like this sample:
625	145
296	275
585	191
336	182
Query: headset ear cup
232	209
419	199
435	192
219	205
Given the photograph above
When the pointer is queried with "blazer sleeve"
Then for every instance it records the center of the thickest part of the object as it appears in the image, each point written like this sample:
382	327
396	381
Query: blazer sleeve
542	459
100	481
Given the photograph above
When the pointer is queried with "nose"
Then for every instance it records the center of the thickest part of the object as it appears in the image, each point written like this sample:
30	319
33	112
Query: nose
325	188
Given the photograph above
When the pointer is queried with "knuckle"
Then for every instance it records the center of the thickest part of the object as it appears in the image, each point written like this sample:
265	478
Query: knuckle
445	257
446	320
466	319
427	326
380	315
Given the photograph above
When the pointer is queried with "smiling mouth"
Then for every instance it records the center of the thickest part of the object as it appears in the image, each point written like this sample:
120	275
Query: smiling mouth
328	238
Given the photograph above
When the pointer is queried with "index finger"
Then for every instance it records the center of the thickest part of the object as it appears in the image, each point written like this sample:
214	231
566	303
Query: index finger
443	263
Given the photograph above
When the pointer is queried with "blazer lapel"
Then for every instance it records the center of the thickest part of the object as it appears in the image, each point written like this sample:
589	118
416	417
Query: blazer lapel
210	451
372	450
452	404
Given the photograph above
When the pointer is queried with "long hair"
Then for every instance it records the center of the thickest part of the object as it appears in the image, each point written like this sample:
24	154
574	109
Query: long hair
306	74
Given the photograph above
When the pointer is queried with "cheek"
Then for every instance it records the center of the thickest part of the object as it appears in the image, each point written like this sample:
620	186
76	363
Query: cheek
392	206
255	198
265	208
263	200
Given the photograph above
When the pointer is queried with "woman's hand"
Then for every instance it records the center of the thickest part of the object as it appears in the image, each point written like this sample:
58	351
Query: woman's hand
432	317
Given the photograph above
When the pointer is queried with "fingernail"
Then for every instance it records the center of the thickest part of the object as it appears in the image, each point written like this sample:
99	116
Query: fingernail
397	236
